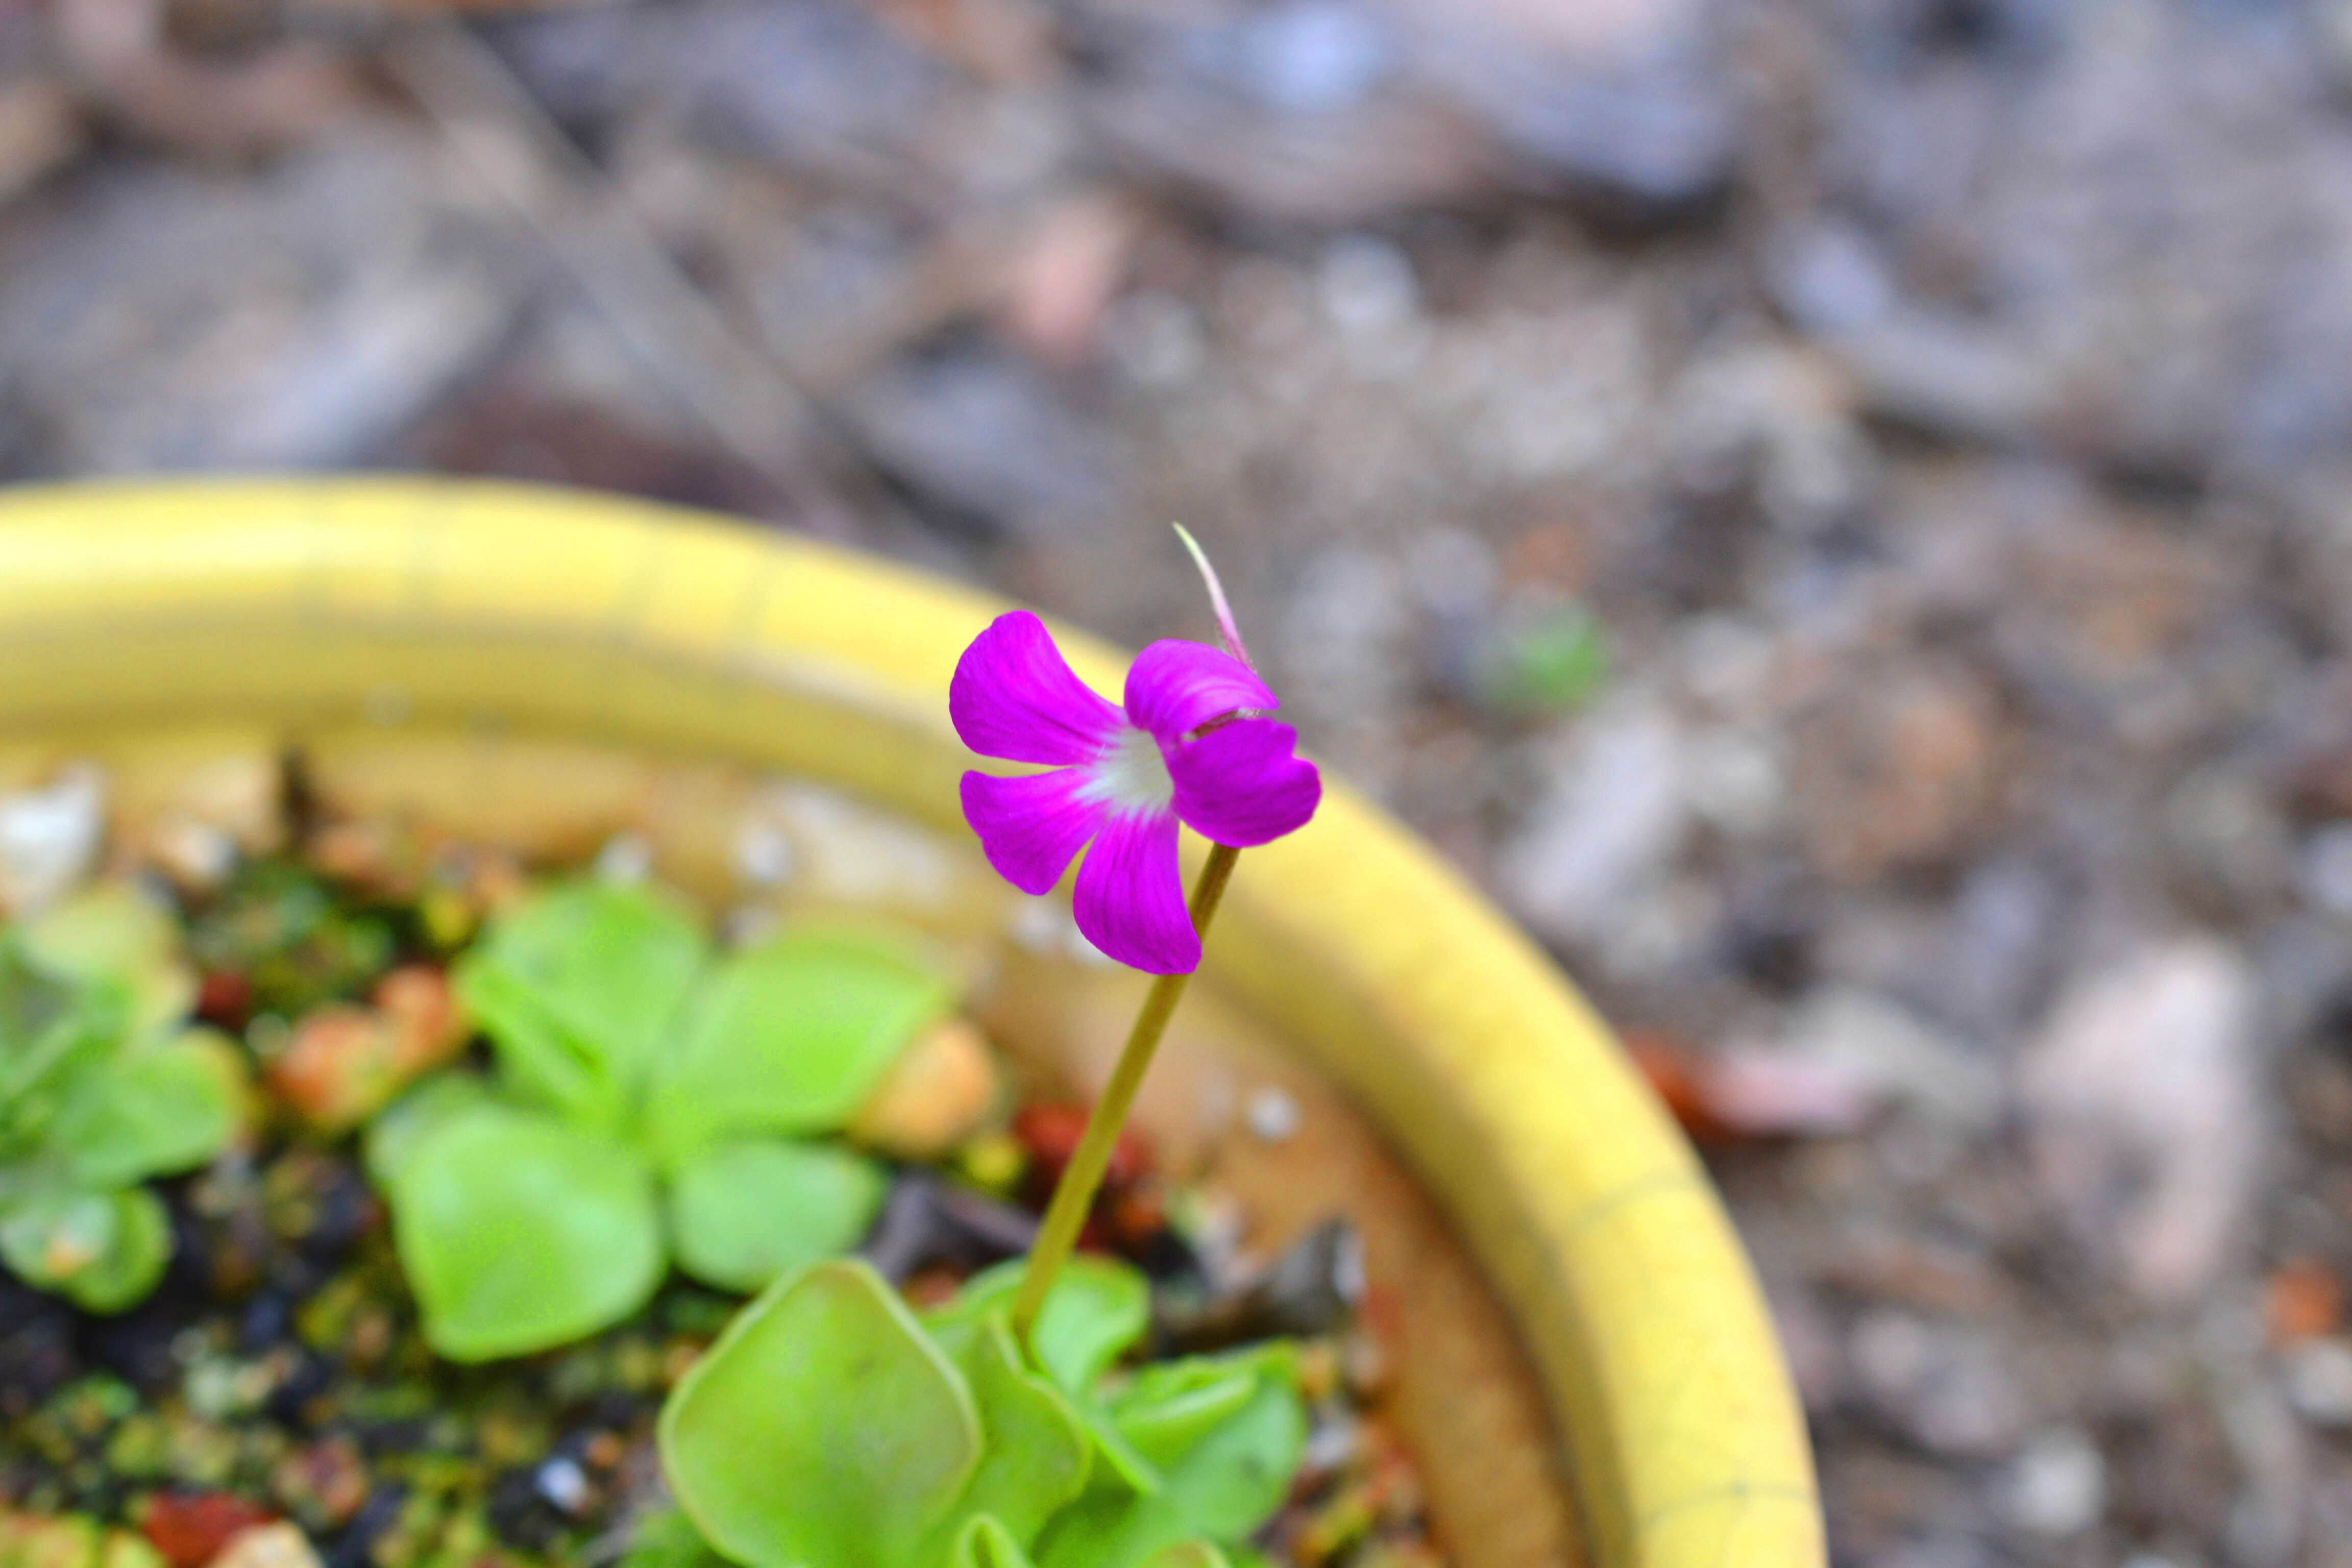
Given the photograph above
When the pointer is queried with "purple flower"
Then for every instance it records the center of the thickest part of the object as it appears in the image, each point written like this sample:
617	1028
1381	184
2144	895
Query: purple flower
1189	746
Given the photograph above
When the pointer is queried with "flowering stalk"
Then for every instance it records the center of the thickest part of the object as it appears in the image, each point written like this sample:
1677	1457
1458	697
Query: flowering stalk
1191	745
1082	1178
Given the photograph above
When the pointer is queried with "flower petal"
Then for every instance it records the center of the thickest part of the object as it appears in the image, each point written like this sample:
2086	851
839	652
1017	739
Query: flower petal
1130	896
1015	697
1173	688
1030	827
1241	784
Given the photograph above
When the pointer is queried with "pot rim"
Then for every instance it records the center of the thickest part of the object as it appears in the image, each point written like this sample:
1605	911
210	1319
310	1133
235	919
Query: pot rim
341	601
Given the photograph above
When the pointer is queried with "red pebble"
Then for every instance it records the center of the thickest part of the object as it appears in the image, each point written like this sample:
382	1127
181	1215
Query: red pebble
1138	1216
191	1530
225	999
1050	1133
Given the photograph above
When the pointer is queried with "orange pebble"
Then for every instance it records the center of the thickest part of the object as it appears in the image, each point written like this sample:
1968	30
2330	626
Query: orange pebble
2304	1300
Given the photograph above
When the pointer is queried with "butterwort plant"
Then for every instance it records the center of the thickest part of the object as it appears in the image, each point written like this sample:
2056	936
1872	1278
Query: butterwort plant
652	1102
103	1085
831	1426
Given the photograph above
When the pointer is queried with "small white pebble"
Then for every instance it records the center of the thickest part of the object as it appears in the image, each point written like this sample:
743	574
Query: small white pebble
1214	1226
626	858
763	854
1036	926
1044	927
1368	284
2326	869
196	854
1088	953
279	1545
210	1388
2057	1486
561	1482
49	837
853	851
1155	337
1332	1443
1273	1115
1348	1276
2318	1377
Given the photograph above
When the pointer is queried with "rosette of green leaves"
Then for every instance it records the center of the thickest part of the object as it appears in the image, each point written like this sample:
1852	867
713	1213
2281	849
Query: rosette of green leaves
651	1103
831	1427
101	1087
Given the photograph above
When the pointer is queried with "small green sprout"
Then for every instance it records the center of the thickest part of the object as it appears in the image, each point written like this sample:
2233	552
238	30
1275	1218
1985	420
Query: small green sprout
833	1426
1547	662
102	1088
651	1103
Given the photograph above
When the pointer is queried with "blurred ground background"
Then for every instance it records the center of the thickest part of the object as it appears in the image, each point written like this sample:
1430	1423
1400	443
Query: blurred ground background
1937	410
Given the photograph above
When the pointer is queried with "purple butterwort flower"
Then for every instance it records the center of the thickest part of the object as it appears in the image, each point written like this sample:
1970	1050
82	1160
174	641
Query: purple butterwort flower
1190	745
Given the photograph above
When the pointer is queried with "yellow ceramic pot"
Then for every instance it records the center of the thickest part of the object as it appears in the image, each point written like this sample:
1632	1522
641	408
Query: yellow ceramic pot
336	603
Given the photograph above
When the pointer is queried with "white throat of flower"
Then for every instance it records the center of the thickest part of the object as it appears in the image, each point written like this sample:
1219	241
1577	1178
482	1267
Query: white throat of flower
1130	775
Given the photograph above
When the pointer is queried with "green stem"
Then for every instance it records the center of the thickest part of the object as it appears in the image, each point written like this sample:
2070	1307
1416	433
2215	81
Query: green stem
1073	1195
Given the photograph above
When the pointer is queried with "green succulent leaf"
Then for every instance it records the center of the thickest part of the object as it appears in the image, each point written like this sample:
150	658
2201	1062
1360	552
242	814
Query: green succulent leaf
394	1135
104	1250
1187	1554
1170	1408
793	1037
745	1213
518	1231
50	1031
538	1060
667	1539
1095	1313
1037	1449
151	1111
985	1543
1221	1487
823	1430
580	989
115	934
87	1107
135	1256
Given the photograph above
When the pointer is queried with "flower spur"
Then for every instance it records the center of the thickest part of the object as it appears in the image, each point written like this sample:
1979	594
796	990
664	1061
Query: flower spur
1189	745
